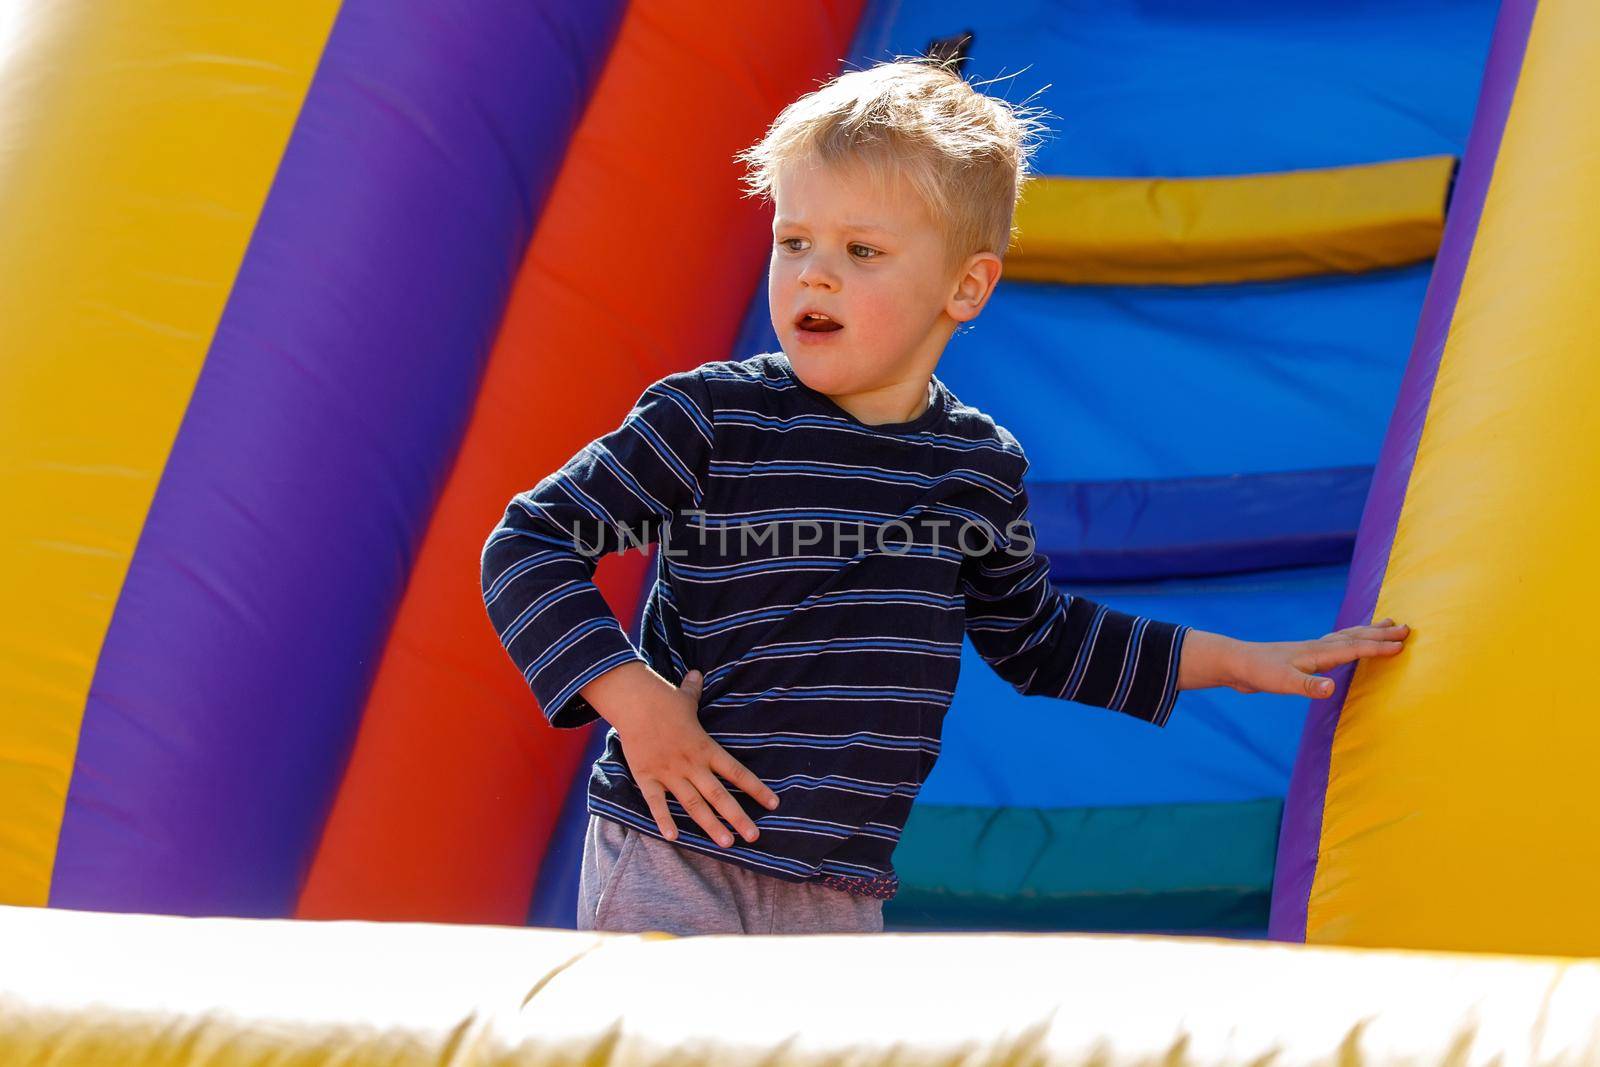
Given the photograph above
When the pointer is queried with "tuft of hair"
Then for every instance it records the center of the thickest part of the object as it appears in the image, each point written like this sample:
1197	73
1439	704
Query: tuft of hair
966	153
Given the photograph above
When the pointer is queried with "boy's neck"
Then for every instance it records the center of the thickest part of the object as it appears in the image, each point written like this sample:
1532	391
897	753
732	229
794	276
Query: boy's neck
888	406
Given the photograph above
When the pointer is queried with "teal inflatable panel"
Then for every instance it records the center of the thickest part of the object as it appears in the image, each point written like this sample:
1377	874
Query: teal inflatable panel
1183	867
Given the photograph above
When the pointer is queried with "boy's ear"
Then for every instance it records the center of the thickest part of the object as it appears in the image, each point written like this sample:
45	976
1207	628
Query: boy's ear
979	276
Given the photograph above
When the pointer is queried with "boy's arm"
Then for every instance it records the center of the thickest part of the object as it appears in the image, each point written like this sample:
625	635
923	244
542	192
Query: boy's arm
537	567
1049	643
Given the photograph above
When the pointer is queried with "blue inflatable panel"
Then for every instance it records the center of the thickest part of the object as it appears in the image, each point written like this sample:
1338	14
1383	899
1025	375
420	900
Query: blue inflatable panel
1002	749
1123	530
1102	383
1173	88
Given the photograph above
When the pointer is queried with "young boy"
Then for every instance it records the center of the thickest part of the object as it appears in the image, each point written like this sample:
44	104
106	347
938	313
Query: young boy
831	521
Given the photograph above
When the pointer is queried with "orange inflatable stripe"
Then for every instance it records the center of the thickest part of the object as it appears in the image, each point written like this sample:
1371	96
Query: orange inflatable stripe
456	781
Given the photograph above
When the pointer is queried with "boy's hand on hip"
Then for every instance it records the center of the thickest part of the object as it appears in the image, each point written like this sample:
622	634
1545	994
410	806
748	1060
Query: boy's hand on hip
1291	667
668	750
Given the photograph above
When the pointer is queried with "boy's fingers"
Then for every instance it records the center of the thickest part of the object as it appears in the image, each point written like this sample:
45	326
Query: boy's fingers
656	799
1348	650
1375	631
726	806
1332	650
744	778
700	811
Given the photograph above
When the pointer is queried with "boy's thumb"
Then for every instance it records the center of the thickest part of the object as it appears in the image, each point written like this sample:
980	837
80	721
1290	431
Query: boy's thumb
692	678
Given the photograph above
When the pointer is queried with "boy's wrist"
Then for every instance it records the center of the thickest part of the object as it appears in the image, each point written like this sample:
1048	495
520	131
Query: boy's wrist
616	694
1209	660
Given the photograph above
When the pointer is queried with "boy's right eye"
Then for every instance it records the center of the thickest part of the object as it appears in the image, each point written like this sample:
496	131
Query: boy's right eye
786	242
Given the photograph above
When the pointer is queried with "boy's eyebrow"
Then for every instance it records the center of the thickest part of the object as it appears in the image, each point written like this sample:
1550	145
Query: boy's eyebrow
778	222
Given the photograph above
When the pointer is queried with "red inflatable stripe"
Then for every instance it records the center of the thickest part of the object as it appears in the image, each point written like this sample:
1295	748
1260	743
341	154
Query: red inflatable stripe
642	264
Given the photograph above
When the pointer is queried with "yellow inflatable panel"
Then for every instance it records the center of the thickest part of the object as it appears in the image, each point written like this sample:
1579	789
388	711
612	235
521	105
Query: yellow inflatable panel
131	177
1206	231
1461	807
81	988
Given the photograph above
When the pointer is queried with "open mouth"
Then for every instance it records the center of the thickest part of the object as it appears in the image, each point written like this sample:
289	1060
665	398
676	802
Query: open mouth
816	322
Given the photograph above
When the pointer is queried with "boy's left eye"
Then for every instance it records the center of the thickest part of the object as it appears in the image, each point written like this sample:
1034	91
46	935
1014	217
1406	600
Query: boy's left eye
872	253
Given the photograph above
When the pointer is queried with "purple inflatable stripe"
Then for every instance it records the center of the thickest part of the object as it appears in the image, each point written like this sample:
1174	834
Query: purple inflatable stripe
321	430
1301	834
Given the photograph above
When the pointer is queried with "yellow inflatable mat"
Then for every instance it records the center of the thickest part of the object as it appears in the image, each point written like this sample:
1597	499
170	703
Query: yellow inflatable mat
79	988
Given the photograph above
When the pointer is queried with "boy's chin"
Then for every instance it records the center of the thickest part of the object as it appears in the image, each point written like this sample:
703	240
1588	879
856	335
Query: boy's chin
820	370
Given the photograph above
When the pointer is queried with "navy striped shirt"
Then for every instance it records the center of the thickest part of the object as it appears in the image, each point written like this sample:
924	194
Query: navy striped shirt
821	573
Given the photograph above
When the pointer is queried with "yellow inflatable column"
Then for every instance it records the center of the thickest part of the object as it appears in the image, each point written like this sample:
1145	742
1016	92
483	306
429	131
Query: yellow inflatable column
137	145
1460	807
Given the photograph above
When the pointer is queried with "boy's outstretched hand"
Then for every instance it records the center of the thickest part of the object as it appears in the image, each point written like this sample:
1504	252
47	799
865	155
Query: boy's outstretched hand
1282	666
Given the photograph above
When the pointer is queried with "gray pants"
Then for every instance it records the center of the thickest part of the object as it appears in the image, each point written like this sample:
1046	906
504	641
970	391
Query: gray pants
631	882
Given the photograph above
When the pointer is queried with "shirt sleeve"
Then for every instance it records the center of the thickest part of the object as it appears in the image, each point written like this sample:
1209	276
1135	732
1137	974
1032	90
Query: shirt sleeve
615	494
1047	642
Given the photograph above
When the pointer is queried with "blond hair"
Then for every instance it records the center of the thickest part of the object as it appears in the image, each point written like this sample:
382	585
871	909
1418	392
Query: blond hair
964	152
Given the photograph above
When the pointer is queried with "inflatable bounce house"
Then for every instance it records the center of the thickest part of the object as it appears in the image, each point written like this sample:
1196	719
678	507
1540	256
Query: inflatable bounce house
294	297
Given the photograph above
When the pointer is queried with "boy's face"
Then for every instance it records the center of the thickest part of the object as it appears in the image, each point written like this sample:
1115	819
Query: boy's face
877	265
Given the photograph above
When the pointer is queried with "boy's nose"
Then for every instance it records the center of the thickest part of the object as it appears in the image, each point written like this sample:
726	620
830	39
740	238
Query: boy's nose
815	274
